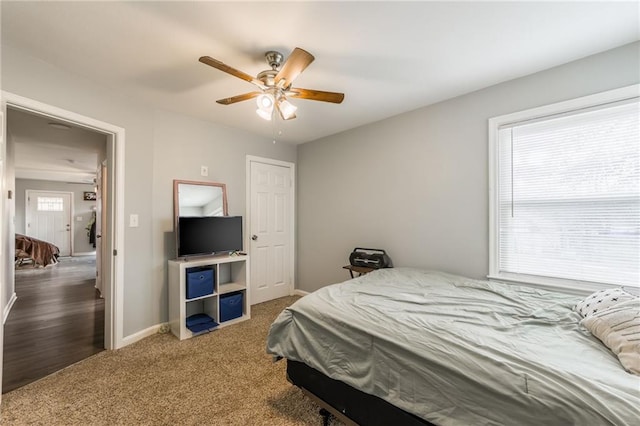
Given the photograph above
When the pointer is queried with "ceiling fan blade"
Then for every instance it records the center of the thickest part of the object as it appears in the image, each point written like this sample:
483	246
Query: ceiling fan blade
293	66
315	95
239	98
230	70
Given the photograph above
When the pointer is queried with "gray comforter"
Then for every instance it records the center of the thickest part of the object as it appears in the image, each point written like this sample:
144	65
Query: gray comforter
457	351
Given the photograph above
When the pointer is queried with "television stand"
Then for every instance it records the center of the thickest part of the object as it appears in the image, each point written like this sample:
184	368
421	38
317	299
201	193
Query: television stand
230	280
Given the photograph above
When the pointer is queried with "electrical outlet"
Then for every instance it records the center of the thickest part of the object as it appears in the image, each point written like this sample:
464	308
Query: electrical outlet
204	171
133	220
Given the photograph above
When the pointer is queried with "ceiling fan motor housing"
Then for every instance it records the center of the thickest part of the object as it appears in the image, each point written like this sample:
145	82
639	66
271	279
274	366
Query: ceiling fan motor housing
268	77
274	59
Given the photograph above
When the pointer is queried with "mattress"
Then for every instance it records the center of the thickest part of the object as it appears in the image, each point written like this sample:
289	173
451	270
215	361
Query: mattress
457	351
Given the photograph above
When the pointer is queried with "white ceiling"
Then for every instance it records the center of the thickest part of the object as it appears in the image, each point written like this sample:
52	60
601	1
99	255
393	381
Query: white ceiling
50	153
387	57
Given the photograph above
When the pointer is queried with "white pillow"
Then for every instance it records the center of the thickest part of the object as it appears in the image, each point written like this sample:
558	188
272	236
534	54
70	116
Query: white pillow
602	299
619	329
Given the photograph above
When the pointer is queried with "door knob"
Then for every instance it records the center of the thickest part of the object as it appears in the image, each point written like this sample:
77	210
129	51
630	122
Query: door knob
254	237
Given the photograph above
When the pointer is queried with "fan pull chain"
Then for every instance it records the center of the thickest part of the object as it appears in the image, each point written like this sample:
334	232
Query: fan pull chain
274	120
273	124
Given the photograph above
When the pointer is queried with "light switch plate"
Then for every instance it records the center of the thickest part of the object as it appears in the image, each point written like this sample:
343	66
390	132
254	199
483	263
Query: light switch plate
78	218
204	171
133	220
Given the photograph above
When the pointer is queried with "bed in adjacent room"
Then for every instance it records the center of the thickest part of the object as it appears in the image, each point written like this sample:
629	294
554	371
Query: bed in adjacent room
418	347
38	252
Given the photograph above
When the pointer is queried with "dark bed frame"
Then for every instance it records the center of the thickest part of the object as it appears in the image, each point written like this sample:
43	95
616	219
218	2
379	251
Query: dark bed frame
349	405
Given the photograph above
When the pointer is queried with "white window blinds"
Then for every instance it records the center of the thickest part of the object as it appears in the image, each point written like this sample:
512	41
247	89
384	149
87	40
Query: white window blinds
569	195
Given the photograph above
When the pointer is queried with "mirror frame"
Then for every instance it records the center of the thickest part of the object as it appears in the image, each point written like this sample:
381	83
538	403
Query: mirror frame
176	207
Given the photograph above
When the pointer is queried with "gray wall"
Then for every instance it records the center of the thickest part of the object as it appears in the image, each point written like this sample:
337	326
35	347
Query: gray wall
81	209
160	146
223	150
8	212
417	184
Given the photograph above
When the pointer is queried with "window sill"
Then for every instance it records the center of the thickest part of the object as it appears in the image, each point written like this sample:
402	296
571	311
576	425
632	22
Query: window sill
580	288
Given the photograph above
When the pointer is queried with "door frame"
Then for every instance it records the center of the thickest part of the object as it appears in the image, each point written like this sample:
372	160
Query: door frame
114	241
292	212
4	223
71	211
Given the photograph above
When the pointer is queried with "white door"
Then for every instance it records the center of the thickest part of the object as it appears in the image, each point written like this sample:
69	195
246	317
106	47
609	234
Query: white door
270	228
49	218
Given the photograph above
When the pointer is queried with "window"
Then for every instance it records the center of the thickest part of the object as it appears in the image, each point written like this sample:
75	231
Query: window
50	204
565	193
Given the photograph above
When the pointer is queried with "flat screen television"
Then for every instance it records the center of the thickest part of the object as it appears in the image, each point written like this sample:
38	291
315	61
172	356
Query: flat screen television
209	235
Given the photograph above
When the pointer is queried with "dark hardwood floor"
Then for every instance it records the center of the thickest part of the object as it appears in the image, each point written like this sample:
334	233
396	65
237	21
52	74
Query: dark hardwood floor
57	320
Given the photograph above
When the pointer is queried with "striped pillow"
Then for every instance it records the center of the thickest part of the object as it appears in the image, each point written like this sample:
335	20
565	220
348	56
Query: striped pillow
619	329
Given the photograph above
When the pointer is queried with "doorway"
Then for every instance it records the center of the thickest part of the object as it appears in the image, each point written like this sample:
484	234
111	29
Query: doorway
270	223
113	228
57	318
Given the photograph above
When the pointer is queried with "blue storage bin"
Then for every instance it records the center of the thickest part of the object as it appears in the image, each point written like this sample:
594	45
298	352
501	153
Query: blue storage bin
199	282
231	306
200	322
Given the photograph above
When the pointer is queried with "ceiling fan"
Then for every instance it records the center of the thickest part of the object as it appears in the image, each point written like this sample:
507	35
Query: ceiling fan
275	84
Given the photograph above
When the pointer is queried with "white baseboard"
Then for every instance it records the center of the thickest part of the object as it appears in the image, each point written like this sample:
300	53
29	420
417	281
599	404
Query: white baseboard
88	253
298	292
7	308
135	337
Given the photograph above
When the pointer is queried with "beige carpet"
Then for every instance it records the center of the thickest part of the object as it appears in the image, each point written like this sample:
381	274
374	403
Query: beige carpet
220	378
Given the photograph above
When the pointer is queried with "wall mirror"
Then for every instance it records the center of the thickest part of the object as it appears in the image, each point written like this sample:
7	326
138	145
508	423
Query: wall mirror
191	198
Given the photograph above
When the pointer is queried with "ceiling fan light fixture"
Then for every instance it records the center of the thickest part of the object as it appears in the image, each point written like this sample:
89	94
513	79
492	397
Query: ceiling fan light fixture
60	126
265	101
287	109
265	114
265	104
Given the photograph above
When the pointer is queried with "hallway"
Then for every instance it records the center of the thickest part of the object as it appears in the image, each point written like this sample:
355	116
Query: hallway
57	320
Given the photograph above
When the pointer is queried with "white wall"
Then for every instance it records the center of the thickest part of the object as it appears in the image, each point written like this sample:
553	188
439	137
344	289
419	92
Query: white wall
160	146
416	184
81	208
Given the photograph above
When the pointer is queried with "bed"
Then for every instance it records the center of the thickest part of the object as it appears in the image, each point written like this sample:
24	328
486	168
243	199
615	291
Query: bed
407	346
38	252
